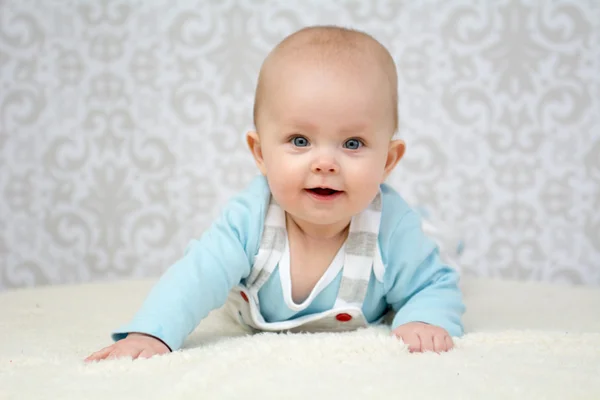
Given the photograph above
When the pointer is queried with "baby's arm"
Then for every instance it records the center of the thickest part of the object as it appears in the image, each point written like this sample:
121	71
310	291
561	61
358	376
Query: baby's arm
195	285
422	289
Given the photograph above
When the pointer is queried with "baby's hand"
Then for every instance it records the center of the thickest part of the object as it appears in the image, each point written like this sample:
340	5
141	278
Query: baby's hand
424	337
134	345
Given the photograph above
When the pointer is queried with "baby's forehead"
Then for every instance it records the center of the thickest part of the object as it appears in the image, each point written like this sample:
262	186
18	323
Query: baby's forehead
340	49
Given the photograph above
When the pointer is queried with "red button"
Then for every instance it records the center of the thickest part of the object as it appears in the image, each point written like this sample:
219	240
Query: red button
244	297
343	317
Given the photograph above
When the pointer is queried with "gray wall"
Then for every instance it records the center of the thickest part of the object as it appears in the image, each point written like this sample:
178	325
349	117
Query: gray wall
122	125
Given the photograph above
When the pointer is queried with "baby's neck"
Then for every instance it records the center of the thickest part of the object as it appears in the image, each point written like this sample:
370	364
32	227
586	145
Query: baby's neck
312	233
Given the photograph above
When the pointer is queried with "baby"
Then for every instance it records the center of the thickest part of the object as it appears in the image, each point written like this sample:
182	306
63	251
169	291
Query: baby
317	242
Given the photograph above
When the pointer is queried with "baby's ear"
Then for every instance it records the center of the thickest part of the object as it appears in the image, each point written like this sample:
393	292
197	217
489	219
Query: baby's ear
395	153
253	141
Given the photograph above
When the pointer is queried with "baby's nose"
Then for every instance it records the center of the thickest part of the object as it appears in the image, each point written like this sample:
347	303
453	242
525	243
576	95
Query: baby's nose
325	166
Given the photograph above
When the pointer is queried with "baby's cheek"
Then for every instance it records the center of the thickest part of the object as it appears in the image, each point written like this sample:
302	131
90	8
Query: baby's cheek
282	189
366	187
366	177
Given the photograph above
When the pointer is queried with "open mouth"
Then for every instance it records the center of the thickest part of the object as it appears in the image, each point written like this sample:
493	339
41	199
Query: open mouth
323	193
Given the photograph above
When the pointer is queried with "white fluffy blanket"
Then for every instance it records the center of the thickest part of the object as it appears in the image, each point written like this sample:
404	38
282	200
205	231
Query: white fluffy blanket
525	341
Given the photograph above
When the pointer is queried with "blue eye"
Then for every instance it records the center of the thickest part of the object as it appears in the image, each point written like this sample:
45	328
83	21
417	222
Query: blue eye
353	144
300	141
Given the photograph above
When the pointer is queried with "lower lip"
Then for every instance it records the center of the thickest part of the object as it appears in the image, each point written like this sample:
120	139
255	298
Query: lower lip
324	198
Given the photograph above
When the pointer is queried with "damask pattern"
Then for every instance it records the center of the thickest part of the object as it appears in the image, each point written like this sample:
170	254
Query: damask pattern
122	127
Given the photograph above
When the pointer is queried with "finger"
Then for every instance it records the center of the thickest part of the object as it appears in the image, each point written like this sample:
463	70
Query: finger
100	354
146	353
449	343
439	344
412	341
426	342
134	353
113	355
121	353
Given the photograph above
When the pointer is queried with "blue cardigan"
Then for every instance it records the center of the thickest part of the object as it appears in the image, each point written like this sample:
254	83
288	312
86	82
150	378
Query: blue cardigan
416	283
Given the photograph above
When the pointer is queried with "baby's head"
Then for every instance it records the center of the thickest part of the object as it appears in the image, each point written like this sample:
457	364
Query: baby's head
328	47
325	113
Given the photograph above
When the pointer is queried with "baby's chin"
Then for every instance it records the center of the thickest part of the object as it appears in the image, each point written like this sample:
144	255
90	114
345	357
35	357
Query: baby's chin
327	222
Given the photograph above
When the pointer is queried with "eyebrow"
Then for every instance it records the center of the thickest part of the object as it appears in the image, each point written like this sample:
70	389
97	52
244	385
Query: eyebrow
353	129
301	125
310	127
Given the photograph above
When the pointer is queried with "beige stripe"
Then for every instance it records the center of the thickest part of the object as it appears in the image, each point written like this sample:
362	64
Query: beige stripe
262	277
361	243
353	290
376	203
273	238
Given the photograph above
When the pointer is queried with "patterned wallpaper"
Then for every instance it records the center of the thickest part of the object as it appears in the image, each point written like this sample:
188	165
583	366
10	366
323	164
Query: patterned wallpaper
122	127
